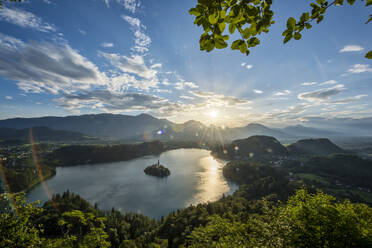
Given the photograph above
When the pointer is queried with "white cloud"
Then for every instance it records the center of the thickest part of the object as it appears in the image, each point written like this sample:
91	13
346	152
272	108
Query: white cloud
257	91
134	22
25	19
329	82
130	5
182	85
107	44
107	2
83	32
141	40
282	93
157	65
187	97
348	99
40	67
351	48
359	68
8	97
113	101
322	94
309	83
217	100
162	91
134	64
246	65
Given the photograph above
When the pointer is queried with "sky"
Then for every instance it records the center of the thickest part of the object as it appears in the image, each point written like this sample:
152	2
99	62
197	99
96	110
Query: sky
60	58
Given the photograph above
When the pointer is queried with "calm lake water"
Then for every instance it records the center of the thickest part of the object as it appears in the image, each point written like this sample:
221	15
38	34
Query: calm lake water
195	177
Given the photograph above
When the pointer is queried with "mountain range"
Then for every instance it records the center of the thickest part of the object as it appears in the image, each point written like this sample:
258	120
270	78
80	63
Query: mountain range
41	134
146	127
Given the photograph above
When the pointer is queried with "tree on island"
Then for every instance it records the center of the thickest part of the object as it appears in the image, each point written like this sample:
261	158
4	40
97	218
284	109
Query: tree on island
157	170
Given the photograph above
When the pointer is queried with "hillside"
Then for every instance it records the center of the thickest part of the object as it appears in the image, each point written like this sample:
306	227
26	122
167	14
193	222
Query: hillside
314	147
41	134
254	146
188	131
100	125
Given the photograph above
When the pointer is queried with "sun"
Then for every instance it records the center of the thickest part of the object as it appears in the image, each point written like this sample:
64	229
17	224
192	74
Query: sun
213	114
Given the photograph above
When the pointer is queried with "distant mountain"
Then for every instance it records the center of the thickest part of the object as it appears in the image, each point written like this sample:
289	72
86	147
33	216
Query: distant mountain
255	129
99	125
314	147
197	131
40	134
188	131
302	131
145	127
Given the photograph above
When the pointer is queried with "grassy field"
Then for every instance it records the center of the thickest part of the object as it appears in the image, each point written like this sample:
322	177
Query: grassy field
316	178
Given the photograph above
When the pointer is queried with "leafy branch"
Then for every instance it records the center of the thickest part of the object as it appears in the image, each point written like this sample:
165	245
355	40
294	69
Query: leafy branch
250	18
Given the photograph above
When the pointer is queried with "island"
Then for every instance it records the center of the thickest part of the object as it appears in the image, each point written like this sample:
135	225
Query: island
157	170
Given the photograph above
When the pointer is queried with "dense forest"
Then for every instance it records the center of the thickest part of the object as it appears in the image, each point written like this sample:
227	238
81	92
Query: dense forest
268	210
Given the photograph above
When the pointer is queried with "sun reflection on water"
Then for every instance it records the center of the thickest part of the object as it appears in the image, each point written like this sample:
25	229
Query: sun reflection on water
211	185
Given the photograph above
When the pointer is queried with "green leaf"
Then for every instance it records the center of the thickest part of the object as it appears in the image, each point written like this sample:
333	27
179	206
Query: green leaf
253	42
319	19
305	17
243	47
287	38
220	43
370	19
194	12
351	2
308	26
246	33
369	55
369	2
291	23
236	44
209	45
232	28
221	26
213	18
297	36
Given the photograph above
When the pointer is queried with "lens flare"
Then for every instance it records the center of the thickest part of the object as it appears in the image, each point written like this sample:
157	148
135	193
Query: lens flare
39	171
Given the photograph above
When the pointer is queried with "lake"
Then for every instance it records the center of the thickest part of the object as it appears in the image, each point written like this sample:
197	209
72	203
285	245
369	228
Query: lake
196	177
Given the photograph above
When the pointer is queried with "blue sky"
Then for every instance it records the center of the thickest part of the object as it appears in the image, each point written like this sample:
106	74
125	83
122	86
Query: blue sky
132	56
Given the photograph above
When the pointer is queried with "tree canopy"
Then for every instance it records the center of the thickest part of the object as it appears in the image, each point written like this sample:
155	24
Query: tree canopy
251	18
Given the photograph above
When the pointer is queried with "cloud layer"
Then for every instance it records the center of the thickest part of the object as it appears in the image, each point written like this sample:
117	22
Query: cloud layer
25	19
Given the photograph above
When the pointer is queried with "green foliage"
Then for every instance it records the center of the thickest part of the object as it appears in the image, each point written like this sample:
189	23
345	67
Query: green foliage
307	220
369	54
250	18
219	233
16	228
318	221
83	230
